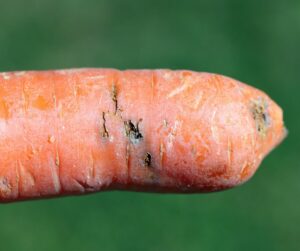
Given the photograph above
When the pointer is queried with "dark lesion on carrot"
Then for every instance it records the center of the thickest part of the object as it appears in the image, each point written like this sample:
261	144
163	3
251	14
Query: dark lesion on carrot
114	97
85	186
147	159
260	115
132	131
104	132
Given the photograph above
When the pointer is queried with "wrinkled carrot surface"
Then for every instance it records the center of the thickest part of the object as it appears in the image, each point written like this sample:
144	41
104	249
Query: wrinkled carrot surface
84	130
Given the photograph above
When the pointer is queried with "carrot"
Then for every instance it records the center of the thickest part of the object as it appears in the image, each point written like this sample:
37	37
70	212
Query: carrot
78	131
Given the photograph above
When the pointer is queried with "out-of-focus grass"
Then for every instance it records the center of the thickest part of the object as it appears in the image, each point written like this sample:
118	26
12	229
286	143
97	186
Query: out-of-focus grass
254	41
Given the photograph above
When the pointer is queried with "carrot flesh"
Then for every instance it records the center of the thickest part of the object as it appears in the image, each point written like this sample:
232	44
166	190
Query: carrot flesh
85	130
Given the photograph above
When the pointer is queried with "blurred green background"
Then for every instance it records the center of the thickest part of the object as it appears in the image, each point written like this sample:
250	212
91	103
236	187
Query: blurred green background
255	41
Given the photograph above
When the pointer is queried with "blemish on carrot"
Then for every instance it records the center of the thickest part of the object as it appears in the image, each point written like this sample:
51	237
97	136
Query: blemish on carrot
27	178
245	170
57	160
51	139
147	160
178	90
132	132
260	115
114	97
185	84
5	187
173	132
165	123
104	132
84	186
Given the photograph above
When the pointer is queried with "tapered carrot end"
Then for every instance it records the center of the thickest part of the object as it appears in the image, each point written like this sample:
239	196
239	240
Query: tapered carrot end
218	132
268	128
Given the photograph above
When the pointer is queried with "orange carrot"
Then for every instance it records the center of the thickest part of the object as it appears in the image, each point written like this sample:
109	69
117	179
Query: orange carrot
85	130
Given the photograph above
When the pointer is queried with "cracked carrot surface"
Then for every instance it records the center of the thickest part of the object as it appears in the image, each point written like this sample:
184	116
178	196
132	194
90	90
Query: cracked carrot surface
84	130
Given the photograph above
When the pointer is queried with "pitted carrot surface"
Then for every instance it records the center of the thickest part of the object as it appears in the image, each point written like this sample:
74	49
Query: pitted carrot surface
85	130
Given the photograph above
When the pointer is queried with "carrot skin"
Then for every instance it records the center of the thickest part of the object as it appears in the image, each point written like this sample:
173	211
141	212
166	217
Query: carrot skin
85	130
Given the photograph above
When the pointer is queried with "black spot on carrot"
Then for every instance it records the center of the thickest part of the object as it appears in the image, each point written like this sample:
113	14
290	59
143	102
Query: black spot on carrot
259	113
132	131
104	132
147	160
